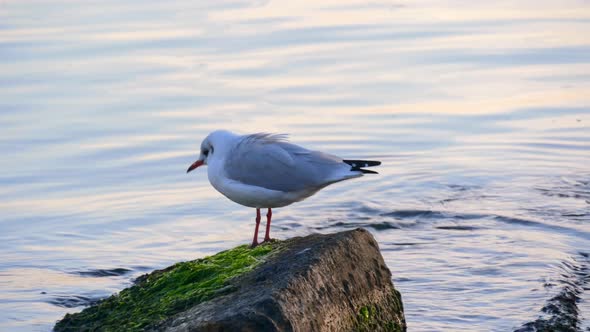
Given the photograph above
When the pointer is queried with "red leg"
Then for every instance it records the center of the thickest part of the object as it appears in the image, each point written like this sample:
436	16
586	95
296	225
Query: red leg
255	240
268	219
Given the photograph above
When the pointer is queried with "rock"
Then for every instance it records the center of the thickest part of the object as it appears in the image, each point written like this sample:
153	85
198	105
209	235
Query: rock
334	282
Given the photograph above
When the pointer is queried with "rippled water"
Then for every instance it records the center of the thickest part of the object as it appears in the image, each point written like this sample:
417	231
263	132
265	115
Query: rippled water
479	112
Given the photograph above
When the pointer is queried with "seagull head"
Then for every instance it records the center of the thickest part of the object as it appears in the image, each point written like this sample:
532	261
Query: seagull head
213	146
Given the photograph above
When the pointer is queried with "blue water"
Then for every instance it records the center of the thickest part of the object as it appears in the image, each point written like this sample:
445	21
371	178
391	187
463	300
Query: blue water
479	112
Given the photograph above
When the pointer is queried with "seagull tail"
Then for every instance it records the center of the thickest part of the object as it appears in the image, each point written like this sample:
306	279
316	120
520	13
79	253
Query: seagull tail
355	165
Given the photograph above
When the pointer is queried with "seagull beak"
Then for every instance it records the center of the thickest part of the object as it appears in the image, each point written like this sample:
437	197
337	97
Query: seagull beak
195	165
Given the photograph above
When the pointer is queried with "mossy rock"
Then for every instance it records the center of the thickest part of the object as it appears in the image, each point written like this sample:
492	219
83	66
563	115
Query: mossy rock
321	282
163	293
371	317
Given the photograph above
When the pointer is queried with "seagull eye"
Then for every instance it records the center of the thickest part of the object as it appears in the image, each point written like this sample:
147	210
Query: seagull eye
206	152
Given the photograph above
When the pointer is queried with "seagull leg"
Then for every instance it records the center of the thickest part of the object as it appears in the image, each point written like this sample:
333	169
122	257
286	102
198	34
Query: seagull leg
268	218
255	240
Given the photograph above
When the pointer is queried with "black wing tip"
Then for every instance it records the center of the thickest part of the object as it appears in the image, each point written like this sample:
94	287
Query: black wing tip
362	163
366	171
355	165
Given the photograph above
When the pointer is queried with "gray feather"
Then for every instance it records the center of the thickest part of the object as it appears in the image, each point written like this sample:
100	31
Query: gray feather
269	161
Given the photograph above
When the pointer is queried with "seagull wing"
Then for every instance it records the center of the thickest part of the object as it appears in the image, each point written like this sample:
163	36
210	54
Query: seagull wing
270	162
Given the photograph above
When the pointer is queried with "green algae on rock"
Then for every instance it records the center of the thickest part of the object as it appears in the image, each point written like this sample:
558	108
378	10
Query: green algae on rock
370	317
163	293
320	283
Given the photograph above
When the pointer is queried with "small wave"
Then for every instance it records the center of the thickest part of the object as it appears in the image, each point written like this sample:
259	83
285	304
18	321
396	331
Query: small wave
383	220
462	187
518	221
402	214
379	226
405	243
575	215
567	188
103	272
398	246
561	312
431	214
288	226
72	301
458	228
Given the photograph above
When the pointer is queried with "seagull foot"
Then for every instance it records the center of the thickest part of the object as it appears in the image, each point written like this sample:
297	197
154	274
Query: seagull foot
269	240
255	244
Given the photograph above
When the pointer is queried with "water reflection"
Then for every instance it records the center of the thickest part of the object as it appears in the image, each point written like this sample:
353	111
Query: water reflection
479	112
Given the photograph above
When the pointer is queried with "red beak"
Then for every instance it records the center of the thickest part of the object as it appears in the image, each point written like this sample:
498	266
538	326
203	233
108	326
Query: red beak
195	165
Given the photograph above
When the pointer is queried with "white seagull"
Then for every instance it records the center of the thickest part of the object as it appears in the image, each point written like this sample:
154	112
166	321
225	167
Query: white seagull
265	171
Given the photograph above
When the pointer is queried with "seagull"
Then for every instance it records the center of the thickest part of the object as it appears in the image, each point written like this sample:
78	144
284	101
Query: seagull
266	171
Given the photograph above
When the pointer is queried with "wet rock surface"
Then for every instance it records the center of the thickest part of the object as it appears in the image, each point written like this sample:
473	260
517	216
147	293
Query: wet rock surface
561	312
333	282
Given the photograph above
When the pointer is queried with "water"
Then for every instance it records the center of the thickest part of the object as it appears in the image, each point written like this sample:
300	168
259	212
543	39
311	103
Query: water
479	112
